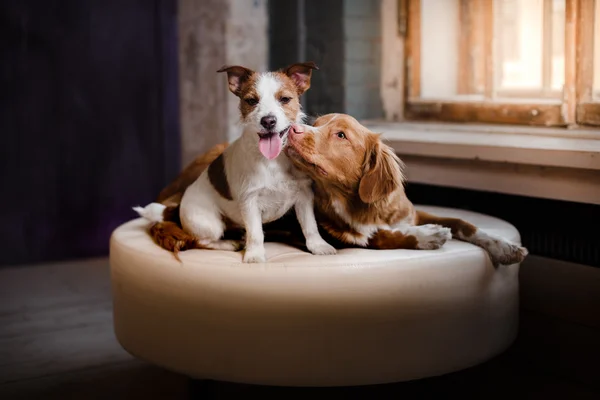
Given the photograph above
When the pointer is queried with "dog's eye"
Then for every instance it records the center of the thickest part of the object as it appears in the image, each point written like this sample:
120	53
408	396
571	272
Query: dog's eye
341	135
285	100
251	101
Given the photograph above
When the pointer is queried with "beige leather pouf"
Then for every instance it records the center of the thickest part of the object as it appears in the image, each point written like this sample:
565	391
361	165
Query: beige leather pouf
360	317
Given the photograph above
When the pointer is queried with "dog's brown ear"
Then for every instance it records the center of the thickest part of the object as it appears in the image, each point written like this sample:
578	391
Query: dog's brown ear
382	172
236	76
300	74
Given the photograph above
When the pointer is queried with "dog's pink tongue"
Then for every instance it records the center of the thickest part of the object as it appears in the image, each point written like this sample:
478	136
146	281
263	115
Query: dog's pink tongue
270	147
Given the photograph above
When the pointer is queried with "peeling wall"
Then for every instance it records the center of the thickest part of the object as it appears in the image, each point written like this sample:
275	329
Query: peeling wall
247	44
213	33
344	38
392	56
362	66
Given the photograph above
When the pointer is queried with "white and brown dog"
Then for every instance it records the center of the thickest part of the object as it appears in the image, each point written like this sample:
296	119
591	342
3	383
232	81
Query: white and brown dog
251	183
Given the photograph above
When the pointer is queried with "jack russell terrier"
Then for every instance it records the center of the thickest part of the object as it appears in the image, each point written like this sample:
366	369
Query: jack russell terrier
251	183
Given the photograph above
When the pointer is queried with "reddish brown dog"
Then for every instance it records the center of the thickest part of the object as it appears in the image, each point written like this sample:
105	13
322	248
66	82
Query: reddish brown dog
359	196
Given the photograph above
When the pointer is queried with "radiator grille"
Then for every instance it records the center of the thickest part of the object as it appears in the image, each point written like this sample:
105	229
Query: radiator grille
550	228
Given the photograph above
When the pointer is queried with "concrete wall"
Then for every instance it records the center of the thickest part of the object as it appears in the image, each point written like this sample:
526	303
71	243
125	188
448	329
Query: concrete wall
344	38
247	41
362	49
324	26
213	33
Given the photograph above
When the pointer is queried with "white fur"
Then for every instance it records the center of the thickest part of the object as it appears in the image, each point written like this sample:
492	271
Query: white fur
429	237
433	236
153	212
366	231
263	190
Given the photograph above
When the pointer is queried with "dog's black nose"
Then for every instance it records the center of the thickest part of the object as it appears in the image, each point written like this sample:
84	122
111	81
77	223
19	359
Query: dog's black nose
268	122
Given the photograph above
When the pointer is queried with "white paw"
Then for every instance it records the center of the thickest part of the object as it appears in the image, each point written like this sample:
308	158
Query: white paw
430	236
255	255
505	252
320	247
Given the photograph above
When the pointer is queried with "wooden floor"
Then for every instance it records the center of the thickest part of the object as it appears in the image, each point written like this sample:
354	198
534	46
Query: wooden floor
57	342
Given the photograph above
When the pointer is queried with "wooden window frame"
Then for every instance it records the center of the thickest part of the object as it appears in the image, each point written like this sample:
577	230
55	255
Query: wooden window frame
577	106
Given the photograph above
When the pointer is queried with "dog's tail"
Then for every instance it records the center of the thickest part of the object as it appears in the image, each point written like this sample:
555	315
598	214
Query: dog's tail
165	229
153	212
170	236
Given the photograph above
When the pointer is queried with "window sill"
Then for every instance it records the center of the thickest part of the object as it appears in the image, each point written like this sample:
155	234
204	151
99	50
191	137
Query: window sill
518	145
538	162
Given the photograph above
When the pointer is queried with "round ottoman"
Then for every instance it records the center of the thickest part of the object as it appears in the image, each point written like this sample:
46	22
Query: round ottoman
357	318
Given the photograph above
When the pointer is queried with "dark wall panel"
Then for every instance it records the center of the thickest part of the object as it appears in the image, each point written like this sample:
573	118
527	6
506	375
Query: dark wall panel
89	121
550	228
302	30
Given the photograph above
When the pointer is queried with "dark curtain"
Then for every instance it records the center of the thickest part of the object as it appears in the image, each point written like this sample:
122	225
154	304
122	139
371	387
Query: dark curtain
89	121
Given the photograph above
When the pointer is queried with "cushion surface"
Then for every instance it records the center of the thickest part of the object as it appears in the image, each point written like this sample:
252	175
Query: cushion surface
359	317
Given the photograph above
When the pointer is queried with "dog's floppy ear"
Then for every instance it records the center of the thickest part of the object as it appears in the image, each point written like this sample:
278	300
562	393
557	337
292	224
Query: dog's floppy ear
300	74
382	172
236	76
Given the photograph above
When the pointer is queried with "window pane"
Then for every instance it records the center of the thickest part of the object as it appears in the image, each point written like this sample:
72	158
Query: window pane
529	59
439	48
518	30
558	45
460	60
596	40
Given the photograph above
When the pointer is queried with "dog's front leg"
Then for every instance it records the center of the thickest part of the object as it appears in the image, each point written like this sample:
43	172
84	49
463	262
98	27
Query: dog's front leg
255	237
306	217
502	251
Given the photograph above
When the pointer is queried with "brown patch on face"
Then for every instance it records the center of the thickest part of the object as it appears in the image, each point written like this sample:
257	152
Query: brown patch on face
389	240
459	228
218	177
288	97
242	83
248	95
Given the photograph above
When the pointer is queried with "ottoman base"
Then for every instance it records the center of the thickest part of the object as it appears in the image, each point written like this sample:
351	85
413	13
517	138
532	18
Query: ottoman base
361	317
